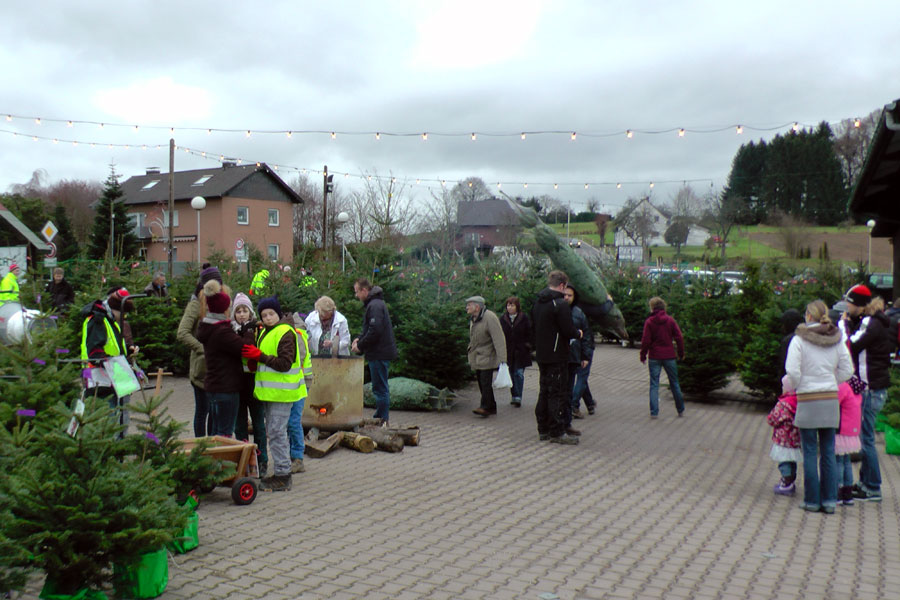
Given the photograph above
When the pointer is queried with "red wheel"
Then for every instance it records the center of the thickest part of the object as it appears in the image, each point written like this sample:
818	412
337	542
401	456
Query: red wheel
244	491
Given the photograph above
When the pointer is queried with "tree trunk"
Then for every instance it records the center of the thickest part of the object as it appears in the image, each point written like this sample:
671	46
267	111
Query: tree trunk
409	435
357	441
384	439
317	448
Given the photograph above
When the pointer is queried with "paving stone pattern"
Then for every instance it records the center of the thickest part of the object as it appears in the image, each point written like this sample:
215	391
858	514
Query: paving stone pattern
666	508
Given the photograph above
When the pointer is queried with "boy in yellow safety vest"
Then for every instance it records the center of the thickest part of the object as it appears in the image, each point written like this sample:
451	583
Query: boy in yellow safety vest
279	384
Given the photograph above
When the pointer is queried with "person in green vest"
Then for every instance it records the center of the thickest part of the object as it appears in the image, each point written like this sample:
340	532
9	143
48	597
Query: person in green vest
279	384
295	422
9	285
258	283
104	333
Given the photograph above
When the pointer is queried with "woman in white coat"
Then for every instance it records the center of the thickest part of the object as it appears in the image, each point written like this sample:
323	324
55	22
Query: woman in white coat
327	329
818	360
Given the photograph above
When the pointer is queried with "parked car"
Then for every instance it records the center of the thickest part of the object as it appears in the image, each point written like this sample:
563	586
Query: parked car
882	284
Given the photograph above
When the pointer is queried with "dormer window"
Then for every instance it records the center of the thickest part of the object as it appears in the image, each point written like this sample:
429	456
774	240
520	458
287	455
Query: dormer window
202	180
149	185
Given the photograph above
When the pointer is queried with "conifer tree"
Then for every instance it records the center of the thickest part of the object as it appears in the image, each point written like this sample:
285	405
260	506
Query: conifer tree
66	244
111	208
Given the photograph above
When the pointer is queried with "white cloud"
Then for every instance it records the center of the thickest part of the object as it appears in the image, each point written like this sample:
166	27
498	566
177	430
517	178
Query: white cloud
155	101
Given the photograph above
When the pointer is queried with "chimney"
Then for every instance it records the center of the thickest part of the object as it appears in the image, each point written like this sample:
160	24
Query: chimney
152	170
229	163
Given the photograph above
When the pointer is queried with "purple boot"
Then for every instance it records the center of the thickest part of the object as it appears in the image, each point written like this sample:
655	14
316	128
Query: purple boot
782	488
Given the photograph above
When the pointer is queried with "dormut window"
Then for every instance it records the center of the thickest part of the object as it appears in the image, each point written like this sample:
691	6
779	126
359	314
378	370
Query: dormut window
273	217
243	215
202	180
149	184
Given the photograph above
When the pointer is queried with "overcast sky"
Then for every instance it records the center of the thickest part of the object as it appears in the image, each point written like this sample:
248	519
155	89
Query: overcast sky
495	67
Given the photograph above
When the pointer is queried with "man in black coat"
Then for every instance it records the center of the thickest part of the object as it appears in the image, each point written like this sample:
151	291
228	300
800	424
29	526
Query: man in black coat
61	292
377	343
553	328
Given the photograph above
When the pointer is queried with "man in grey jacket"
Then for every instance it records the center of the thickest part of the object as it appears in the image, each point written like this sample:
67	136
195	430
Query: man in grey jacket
487	345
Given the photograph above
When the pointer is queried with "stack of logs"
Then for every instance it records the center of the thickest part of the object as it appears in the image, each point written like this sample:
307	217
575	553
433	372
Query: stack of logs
369	436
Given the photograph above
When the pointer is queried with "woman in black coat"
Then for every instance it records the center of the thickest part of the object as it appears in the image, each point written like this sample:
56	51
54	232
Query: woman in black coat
517	330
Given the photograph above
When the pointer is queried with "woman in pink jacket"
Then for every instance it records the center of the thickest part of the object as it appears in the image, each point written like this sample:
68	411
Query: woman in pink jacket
847	441
660	333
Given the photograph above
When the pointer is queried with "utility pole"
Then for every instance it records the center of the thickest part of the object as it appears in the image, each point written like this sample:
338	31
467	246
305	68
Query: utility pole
169	247
325	210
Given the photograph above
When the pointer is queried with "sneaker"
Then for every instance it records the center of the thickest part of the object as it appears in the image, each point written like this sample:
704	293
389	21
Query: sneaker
681	414
865	495
566	439
297	466
828	510
275	483
592	410
573	431
577	414
263	469
544	437
785	490
517	402
652	416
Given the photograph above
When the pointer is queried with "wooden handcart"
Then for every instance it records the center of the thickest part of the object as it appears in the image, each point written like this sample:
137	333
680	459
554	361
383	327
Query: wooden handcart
243	482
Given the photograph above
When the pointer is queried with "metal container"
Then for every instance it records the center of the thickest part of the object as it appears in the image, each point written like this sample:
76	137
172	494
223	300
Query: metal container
335	398
16	322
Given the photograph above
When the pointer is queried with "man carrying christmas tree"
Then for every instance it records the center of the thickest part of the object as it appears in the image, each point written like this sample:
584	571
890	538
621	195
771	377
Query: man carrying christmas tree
105	334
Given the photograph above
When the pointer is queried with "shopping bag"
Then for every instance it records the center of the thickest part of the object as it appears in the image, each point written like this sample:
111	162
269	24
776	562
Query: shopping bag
502	380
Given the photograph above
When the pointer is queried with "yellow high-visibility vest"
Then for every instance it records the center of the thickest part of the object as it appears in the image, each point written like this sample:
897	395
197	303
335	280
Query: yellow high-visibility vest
278	386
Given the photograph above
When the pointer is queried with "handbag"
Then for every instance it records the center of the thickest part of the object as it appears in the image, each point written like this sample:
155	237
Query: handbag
502	380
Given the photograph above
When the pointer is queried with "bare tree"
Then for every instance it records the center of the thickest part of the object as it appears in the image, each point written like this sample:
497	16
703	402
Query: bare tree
391	208
307	217
471	189
440	217
722	214
602	223
686	203
360	227
851	143
593	205
636	220
76	197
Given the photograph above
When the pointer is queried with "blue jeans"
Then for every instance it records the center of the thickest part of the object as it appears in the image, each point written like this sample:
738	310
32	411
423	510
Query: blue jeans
788	469
581	384
295	429
671	368
844	470
378	369
223	408
518	379
819	467
869	472
202	416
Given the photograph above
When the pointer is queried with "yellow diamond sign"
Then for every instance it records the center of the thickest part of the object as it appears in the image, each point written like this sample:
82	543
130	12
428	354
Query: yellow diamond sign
49	231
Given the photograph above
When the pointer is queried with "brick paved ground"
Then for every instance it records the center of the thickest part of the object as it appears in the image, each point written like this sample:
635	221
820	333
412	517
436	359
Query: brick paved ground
670	508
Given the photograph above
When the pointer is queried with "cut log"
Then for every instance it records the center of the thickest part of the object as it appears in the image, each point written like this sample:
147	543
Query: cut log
357	441
384	439
409	434
317	448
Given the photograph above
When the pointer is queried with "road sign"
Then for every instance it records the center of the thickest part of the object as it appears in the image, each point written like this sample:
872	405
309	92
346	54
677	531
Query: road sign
52	253
239	244
49	262
49	231
240	255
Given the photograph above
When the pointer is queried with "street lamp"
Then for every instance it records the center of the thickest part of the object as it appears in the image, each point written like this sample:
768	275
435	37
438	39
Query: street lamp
870	224
198	203
341	218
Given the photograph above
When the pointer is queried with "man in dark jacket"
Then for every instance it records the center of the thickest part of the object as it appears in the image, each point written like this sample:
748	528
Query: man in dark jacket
866	325
376	342
553	328
581	355
157	286
61	292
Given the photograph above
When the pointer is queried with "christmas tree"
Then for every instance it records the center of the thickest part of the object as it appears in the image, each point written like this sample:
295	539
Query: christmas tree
111	212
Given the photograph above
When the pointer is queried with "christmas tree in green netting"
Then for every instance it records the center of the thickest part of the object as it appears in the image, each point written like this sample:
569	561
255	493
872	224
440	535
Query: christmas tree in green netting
79	504
111	214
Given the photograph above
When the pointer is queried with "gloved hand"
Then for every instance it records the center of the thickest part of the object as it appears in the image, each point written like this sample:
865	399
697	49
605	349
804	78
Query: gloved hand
251	352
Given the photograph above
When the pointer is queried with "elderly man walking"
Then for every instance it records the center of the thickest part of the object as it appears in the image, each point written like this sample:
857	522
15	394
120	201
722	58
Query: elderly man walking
487	345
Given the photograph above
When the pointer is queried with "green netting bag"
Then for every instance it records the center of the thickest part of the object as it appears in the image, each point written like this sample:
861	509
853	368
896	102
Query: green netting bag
189	538
48	592
147	579
892	440
881	422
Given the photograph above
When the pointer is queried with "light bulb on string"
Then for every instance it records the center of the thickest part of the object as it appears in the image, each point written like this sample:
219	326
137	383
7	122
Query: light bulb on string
332	135
474	137
523	135
629	134
586	186
209	132
498	185
38	120
739	130
289	134
857	123
681	132
470	184
573	136
651	185
70	124
525	186
618	186
55	141
135	128
171	130
9	117
377	135
248	133
795	127
425	137
555	186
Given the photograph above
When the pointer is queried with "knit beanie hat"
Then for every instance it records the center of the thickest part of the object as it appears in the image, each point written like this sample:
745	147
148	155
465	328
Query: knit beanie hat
208	273
859	295
270	302
118	300
216	300
241	299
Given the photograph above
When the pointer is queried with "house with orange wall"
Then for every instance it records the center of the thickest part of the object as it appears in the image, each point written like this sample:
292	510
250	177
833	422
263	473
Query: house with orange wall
247	204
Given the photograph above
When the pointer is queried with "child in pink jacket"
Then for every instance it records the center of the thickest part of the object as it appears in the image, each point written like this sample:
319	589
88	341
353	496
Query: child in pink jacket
785	442
847	441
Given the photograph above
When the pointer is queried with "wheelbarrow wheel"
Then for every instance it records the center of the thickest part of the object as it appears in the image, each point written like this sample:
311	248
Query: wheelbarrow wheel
244	491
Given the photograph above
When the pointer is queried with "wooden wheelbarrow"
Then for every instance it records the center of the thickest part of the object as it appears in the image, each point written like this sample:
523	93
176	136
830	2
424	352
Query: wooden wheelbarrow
243	482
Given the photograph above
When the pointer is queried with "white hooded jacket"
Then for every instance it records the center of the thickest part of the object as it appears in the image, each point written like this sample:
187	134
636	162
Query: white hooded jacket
340	332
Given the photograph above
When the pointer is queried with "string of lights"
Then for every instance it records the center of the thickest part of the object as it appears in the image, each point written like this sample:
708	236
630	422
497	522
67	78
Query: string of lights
377	134
435	182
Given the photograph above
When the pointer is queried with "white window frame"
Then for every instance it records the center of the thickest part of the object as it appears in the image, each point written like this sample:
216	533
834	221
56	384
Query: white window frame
247	220
277	217
149	185
165	218
269	251
201	181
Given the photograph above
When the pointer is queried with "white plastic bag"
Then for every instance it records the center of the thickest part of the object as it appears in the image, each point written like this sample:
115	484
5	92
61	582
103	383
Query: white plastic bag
502	380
